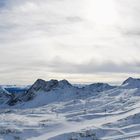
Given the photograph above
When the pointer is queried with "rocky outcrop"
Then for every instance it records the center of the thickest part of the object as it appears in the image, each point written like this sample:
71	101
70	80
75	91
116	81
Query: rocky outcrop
45	86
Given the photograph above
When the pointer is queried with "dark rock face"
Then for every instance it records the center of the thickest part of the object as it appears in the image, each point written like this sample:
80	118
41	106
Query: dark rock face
13	99
50	85
38	85
46	86
62	86
30	93
4	95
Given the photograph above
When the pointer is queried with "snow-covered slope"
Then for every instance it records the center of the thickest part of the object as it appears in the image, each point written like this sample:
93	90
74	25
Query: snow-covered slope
59	111
4	95
45	92
41	86
98	87
131	83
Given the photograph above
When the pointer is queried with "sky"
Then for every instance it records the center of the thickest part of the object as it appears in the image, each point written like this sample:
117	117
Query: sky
83	41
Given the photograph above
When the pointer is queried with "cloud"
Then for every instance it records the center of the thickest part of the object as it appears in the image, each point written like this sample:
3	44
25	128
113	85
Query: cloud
131	33
91	67
48	37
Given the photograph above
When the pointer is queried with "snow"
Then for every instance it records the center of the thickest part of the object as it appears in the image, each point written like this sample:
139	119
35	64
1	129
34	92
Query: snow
131	83
60	111
4	95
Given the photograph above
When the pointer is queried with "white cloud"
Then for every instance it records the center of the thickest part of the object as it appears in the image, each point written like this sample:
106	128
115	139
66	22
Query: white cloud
34	33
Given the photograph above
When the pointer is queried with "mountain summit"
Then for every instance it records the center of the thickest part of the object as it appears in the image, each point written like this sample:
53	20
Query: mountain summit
45	92
45	86
57	110
99	87
131	83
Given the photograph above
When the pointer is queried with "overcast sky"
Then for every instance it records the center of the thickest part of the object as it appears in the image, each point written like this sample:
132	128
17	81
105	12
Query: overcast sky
79	40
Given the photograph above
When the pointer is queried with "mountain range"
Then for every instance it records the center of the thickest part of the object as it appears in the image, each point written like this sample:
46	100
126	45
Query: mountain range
59	110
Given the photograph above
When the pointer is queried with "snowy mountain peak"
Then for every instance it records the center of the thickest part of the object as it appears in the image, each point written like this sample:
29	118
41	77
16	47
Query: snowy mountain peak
131	83
99	87
51	85
56	110
64	83
38	84
44	86
99	84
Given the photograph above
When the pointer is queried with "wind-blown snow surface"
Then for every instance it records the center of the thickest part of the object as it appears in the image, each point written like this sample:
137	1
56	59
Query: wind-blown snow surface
4	95
56	110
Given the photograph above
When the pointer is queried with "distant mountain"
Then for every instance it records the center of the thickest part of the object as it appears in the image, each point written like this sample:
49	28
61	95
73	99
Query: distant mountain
55	85
131	83
58	110
99	87
44	92
17	89
44	86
